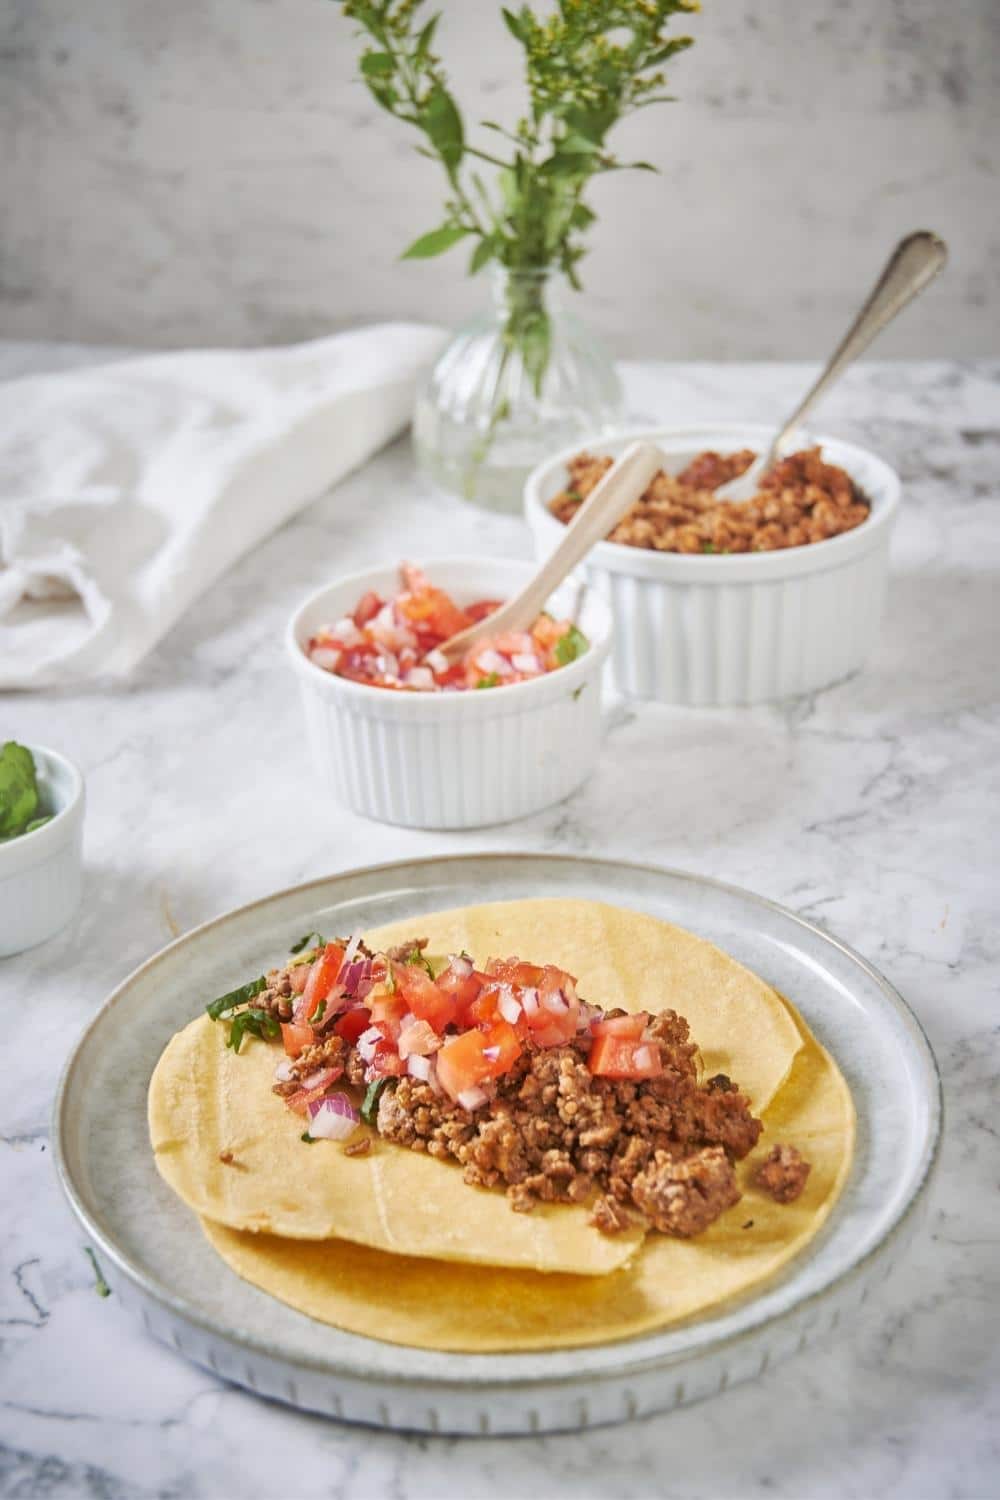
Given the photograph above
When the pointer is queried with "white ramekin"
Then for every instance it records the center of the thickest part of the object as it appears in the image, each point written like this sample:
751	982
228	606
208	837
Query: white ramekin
453	760
715	630
40	872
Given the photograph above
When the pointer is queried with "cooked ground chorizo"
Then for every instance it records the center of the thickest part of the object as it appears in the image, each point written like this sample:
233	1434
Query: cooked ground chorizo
683	1196
802	500
782	1173
554	1132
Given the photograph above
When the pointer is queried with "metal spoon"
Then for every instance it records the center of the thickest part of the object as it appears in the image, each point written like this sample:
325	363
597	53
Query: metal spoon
914	263
611	498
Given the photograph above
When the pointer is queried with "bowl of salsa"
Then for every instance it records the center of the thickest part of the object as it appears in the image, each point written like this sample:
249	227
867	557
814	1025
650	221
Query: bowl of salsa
400	734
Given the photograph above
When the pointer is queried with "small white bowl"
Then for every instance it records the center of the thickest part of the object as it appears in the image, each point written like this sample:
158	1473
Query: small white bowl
746	628
453	760
40	872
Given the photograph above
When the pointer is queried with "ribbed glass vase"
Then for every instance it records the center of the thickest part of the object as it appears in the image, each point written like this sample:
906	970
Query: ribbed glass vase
517	383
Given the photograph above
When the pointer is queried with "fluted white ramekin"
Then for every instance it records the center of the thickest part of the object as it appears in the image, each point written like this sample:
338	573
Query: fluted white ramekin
719	629
453	760
40	872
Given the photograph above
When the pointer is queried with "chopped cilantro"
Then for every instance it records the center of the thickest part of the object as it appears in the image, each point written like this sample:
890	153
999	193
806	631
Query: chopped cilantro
709	547
228	1003
578	691
571	645
490	680
373	1093
310	1140
416	957
255	1022
305	942
573	494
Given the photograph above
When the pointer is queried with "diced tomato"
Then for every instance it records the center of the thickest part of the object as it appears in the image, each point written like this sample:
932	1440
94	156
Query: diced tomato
432	613
385	1063
352	1023
547	631
482	608
322	978
630	1027
414	578
461	1064
296	1036
419	1037
425	1000
368	607
552	1027
513	971
298	977
462	986
387	1010
622	1057
503	1036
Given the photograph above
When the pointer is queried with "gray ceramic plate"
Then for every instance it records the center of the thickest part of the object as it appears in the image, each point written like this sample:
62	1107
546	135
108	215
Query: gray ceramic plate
157	1261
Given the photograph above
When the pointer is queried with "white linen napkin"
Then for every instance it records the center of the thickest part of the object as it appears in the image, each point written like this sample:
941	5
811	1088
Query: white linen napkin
127	489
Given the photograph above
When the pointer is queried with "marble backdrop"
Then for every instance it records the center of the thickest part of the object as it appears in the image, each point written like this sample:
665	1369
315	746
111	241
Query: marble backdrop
209	171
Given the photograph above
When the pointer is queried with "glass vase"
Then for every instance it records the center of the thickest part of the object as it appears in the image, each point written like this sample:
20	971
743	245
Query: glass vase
512	387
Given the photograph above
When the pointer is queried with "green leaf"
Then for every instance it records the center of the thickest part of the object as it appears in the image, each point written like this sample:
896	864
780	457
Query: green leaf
377	64
252	1022
426	36
571	645
18	789
369	1109
435	242
482	255
443	124
490	680
38	823
227	1003
307	942
514	25
582	216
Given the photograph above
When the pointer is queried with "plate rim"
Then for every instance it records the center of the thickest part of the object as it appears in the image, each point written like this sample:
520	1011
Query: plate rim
149	1285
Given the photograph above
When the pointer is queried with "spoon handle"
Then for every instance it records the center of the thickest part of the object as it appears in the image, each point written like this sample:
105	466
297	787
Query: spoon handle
916	260
603	508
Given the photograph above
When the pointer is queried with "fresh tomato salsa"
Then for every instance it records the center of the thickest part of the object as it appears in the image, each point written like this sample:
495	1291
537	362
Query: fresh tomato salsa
394	643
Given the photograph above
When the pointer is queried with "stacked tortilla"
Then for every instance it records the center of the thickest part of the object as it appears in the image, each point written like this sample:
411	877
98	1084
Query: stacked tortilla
393	1244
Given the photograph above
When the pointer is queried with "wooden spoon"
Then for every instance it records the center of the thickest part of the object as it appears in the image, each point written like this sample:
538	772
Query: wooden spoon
616	493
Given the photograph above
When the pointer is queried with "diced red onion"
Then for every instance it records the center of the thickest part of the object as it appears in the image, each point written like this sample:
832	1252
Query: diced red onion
347	632
491	661
283	1072
408	1020
555	1003
367	1042
588	1013
529	999
461	965
432	1078
333	1118
508	1005
525	661
419	1067
421	678
492	1054
327	657
471	1099
437	661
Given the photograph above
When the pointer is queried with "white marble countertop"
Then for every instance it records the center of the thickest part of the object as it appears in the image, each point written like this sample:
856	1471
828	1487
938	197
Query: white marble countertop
867	807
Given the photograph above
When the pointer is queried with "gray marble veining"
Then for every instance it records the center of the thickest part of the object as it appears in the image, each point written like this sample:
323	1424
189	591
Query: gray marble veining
871	808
